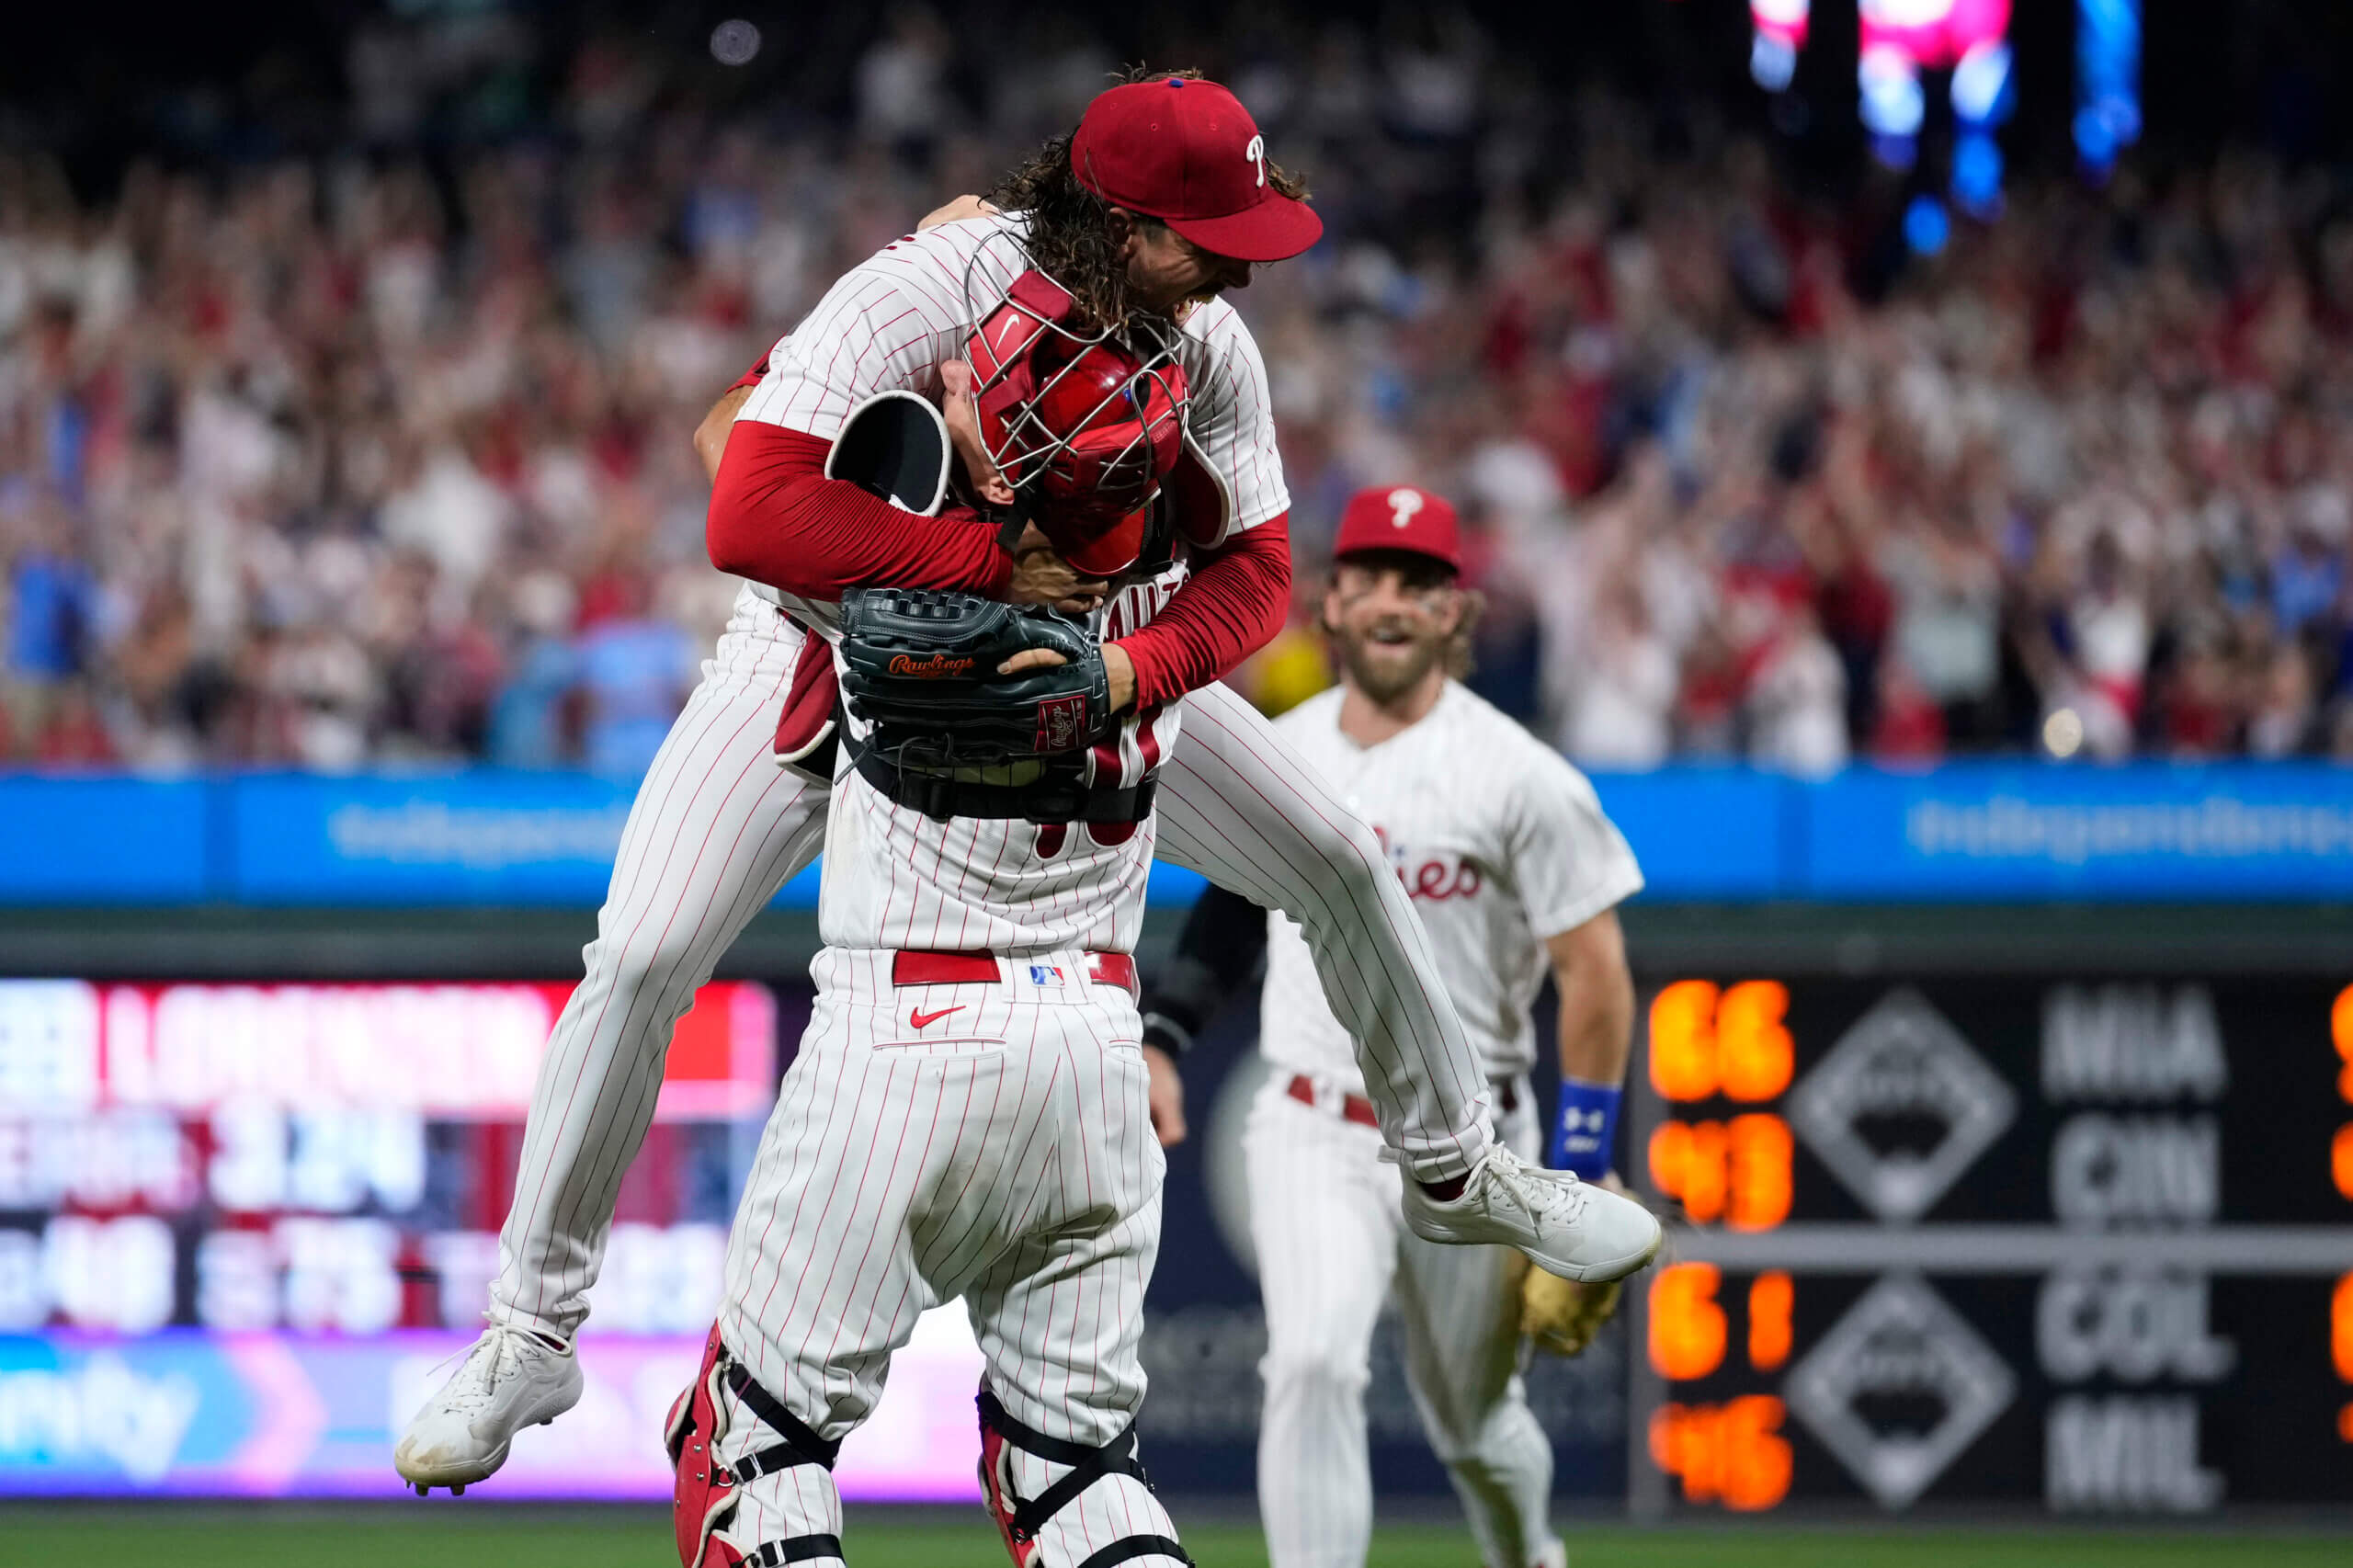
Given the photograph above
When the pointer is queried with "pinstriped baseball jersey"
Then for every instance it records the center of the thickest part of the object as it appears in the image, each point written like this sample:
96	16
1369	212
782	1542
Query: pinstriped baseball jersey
1500	844
890	322
895	878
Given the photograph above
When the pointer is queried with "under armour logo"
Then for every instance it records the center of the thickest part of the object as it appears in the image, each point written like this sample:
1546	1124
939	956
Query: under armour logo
1403	505
1256	153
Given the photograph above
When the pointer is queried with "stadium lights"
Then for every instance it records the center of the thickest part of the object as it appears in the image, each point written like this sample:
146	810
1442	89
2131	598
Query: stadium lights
1781	33
2108	81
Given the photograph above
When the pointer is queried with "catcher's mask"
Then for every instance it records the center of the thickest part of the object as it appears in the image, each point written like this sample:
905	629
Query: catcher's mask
1082	425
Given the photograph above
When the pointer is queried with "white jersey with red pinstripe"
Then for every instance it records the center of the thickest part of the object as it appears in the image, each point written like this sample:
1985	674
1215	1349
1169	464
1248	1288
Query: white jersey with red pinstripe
896	878
1500	843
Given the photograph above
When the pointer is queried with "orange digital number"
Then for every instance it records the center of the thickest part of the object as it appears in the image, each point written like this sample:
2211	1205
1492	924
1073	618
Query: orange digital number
1772	1300
1687	1164
1754	1052
1760	1177
1735	1041
1683	1041
2340	1328
1740	1172
2340	1159
2340	1027
1687	1328
1730	1453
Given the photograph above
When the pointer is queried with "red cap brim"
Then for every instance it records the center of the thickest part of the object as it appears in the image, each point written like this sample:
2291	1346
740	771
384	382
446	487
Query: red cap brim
1276	229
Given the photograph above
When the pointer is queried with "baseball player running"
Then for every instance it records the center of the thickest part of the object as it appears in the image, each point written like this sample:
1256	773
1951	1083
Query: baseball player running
1511	865
1149	209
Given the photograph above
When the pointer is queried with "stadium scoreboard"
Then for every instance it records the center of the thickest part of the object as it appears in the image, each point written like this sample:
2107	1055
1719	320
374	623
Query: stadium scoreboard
1998	1239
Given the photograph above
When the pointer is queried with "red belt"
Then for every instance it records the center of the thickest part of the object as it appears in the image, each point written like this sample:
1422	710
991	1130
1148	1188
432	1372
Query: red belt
917	967
1353	1107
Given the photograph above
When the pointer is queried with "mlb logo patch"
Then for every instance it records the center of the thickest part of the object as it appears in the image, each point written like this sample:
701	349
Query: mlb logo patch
1061	722
1046	974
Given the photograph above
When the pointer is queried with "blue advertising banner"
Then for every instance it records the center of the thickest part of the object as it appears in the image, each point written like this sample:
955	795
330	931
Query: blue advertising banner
103	840
1704	833
1981	831
473	837
1968	831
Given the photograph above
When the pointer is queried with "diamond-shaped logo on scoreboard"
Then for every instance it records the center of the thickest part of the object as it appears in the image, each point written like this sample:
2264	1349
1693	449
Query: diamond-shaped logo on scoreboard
1867	1390
1901	1106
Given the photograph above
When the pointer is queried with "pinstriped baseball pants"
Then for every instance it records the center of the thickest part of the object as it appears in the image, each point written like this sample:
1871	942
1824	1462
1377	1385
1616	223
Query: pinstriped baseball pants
1010	1162
717	827
1332	1246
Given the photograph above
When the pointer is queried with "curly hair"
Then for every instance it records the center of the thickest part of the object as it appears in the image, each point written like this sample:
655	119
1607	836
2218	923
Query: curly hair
1069	238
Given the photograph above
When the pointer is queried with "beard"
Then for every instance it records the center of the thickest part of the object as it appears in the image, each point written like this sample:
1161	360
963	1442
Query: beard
1386	670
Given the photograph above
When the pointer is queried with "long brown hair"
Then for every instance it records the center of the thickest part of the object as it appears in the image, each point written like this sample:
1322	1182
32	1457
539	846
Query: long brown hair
1070	237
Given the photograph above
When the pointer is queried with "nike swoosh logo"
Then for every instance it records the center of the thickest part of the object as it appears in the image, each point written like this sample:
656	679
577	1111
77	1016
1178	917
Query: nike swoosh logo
924	1020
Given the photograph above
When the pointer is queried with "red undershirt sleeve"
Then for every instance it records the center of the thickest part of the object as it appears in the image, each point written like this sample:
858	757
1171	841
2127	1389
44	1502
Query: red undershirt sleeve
776	518
1229	609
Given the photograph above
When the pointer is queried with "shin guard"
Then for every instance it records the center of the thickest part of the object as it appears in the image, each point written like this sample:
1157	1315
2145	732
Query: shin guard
1020	1519
704	1501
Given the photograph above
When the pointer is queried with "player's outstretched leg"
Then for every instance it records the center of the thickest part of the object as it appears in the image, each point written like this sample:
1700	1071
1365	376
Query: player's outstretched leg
716	828
1239	805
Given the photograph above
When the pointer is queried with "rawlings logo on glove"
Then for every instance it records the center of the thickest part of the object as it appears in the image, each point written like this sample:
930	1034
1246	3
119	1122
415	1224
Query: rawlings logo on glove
922	669
938	664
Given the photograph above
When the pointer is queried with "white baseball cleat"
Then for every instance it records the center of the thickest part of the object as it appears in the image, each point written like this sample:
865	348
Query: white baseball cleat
510	1379
1567	1227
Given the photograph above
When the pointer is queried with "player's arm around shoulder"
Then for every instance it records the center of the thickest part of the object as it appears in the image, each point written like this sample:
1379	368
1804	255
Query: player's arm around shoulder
710	435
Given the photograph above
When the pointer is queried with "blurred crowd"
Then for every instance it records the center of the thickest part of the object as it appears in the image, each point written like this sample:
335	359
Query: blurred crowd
381	454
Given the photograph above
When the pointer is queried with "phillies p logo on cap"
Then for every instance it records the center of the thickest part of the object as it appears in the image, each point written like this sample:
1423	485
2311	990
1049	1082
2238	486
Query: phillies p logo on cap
1400	517
1185	152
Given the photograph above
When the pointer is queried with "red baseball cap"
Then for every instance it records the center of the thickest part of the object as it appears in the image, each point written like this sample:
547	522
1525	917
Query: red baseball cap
1186	153
1399	516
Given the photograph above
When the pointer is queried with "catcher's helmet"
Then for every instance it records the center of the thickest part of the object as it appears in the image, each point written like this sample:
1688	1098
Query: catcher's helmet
1084	424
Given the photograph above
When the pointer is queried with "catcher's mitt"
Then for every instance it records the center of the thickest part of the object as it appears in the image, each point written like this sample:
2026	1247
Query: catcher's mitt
920	669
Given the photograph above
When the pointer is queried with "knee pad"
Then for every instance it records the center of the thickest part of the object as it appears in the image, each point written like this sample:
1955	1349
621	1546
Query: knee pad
1018	1519
704	1500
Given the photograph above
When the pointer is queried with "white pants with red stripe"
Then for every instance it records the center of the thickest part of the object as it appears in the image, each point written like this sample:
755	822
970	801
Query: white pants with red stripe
1332	1247
988	1140
718	827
